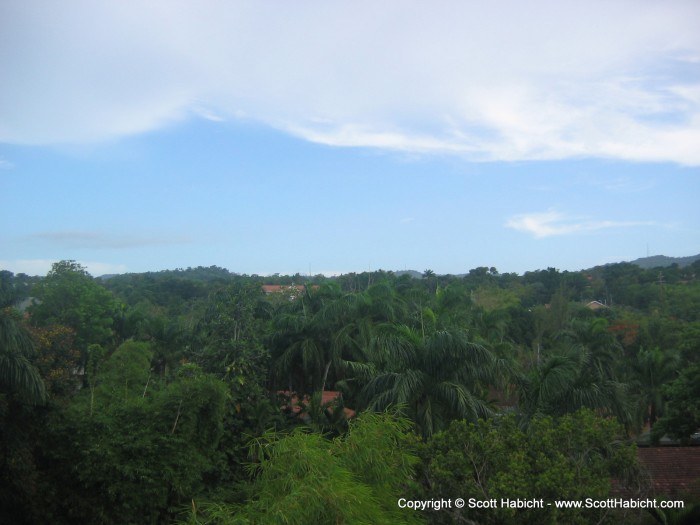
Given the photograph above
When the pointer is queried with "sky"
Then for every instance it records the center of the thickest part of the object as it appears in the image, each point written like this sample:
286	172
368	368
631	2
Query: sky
334	137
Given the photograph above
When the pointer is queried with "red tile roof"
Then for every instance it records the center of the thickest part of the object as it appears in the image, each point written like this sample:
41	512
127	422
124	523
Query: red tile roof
674	471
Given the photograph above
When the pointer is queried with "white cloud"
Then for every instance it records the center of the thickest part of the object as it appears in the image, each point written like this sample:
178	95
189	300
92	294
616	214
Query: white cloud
502	80
5	164
553	223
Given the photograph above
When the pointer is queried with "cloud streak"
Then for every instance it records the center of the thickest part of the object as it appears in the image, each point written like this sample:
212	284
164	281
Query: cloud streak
499	81
100	240
552	223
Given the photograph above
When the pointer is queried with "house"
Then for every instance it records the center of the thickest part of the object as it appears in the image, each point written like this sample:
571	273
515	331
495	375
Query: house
668	472
283	288
291	291
595	305
330	399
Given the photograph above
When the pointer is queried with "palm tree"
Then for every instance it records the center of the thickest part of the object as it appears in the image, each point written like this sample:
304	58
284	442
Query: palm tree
454	306
305	342
604	350
17	374
652	369
579	372
436	378
561	385
431	281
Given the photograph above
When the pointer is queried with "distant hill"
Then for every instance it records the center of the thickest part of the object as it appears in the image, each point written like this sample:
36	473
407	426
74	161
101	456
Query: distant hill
200	273
656	261
216	273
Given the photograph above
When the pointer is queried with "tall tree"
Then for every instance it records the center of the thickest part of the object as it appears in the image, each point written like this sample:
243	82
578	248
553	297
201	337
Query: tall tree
650	371
579	371
682	417
230	334
145	448
437	378
305	342
70	296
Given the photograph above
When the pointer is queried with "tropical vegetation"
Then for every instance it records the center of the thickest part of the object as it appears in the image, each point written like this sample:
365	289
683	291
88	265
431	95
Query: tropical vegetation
197	396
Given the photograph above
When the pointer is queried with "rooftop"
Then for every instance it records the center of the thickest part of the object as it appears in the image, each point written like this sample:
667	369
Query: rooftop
674	471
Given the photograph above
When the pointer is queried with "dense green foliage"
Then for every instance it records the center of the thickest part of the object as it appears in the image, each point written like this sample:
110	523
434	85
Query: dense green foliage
18	375
572	458
125	399
304	478
682	418
70	297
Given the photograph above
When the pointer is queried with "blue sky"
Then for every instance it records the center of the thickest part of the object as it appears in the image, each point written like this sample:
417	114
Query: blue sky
287	137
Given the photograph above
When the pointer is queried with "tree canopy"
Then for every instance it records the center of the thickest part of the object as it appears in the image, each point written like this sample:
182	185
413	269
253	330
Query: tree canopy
136	398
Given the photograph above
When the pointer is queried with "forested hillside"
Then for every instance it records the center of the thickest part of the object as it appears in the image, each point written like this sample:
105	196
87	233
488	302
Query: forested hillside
197	396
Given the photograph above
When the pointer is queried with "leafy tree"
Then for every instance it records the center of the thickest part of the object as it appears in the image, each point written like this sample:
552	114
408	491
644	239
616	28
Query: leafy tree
683	301
18	286
229	337
682	417
304	478
142	452
21	426
689	344
618	279
572	457
126	373
69	296
542	285
228	344
493	298
57	359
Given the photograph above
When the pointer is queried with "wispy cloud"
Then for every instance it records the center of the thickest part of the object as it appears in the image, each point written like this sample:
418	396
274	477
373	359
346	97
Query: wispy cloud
100	240
553	223
5	164
503	80
208	114
619	184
